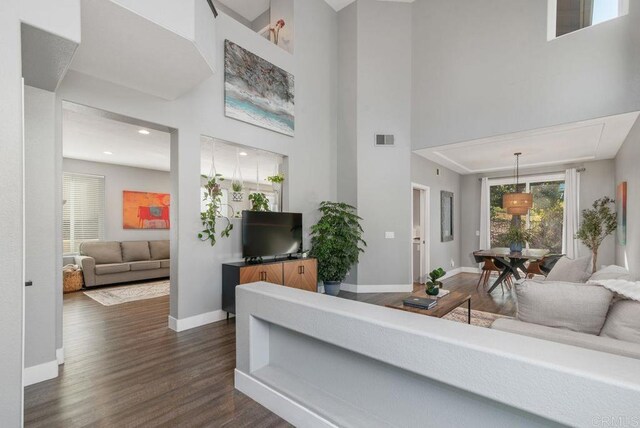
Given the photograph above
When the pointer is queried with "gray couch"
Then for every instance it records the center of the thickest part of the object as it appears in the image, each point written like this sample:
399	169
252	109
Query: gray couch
570	311
110	262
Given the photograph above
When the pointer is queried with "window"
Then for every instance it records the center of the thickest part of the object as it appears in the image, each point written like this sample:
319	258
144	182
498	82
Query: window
83	210
567	16
546	218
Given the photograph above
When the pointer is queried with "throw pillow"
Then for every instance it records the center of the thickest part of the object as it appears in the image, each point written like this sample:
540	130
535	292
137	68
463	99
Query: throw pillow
627	289
612	272
568	270
623	321
576	307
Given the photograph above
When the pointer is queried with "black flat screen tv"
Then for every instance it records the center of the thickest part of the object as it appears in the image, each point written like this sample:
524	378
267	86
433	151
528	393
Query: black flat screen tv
266	234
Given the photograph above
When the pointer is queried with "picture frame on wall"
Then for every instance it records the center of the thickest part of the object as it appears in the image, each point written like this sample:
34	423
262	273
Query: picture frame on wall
446	216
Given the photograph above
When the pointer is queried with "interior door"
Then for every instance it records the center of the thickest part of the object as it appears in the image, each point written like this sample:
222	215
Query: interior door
301	274
268	273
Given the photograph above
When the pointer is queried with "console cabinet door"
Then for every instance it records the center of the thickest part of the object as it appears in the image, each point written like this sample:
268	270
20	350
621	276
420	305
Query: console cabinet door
301	274
268	273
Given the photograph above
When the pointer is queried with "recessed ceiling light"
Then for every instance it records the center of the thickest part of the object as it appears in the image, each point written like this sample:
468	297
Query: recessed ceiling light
107	153
144	132
243	153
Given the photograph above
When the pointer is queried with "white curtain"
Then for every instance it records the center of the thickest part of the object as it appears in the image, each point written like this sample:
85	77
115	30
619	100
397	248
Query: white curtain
485	217
571	213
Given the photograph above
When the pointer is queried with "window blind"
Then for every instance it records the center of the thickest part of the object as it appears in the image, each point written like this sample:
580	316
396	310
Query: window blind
83	210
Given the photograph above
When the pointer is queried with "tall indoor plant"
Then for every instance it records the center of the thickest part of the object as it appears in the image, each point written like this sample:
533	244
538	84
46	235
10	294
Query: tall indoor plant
598	222
213	211
336	241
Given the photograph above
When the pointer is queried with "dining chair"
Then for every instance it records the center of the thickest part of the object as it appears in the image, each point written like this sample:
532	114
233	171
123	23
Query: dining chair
542	266
492	265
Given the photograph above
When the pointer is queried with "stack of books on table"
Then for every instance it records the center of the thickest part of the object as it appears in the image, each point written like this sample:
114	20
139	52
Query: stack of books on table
420	302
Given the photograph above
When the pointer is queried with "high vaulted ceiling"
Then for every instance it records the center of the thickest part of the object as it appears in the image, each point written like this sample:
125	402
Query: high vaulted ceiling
339	4
587	140
248	9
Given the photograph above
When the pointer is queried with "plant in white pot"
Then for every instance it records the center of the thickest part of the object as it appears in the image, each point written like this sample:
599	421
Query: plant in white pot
598	222
336	241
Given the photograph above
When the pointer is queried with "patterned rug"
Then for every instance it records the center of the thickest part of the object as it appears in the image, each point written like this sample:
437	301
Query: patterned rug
129	293
479	318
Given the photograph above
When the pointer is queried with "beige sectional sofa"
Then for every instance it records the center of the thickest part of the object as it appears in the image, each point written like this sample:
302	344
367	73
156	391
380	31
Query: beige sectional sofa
111	262
570	310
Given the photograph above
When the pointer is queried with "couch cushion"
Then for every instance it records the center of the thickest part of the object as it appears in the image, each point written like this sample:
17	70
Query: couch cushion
572	306
612	272
568	270
145	265
596	343
623	321
159	250
103	252
134	251
112	268
165	263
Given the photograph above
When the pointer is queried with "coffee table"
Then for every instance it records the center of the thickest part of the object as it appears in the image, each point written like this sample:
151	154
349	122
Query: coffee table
445	304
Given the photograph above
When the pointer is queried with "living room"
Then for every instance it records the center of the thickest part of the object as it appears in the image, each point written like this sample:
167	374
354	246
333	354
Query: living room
459	80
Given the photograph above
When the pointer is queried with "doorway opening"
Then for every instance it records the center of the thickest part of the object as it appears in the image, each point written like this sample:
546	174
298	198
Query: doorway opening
420	232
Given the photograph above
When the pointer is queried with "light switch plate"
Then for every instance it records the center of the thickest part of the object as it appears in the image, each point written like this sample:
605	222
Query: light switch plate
477	233
389	235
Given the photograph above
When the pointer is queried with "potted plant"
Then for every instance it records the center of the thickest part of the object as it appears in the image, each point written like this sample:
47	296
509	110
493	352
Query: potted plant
517	237
336	241
213	211
276	180
259	202
433	285
598	222
237	192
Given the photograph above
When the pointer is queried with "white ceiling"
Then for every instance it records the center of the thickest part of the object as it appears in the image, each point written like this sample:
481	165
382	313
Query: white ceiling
575	142
248	9
87	136
125	48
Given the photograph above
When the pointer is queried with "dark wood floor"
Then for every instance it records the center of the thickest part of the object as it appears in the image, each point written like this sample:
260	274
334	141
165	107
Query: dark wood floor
124	367
496	302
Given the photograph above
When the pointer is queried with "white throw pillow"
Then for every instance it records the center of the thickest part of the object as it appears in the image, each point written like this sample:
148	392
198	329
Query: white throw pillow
568	270
612	272
623	321
576	307
627	289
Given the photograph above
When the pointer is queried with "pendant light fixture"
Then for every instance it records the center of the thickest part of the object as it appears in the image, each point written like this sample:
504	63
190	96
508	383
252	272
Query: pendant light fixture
517	203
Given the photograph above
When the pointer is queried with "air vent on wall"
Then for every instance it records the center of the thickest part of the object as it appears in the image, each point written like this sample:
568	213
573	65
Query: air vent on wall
384	140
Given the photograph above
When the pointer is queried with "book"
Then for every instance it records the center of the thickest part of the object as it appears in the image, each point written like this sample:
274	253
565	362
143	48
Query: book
420	302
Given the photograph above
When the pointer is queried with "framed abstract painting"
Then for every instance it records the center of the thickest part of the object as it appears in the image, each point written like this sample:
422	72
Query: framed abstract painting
621	211
145	210
256	91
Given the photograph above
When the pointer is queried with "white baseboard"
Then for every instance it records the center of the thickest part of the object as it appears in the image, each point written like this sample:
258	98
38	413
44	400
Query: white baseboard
60	355
40	373
279	404
383	288
183	324
470	270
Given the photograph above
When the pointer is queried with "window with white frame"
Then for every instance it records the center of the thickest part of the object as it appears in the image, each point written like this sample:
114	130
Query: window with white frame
567	16
545	218
83	210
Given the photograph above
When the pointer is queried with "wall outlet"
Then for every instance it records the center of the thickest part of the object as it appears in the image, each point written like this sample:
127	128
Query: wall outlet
389	235
453	263
477	233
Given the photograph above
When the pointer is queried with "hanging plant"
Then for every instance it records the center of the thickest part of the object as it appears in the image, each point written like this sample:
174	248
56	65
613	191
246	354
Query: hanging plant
213	212
259	202
276	179
237	192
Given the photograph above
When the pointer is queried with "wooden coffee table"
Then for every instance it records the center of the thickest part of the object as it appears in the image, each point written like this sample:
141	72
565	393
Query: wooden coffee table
445	304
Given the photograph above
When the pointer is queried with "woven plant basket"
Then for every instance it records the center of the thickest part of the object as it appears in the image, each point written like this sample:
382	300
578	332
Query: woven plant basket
72	281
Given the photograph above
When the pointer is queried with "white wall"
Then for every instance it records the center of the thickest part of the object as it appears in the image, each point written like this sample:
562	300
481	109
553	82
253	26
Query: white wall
626	169
311	163
40	242
11	212
117	179
424	172
597	181
383	173
486	68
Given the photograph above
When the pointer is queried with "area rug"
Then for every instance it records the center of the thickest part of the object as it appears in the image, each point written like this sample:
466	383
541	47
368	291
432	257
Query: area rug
479	318
129	293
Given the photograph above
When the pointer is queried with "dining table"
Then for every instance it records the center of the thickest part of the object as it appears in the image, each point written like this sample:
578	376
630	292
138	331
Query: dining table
510	261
